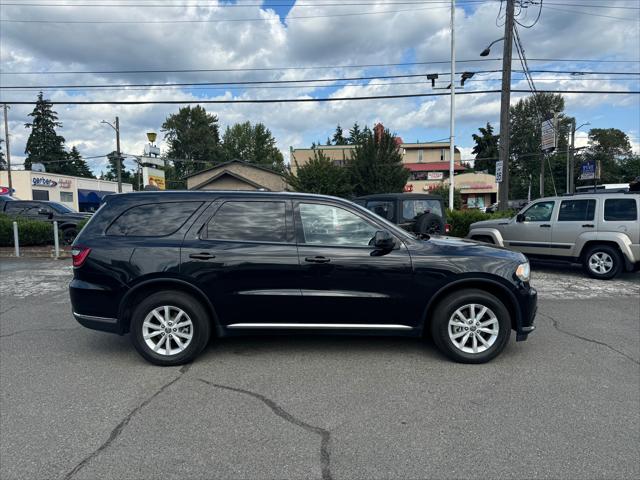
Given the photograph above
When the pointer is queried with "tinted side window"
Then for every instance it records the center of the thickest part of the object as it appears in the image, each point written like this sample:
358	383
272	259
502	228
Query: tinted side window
412	209
576	210
539	212
249	221
382	208
153	219
620	209
329	225
14	208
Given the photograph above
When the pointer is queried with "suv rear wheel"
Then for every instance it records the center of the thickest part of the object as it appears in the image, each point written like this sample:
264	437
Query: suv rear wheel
602	261
471	326
170	328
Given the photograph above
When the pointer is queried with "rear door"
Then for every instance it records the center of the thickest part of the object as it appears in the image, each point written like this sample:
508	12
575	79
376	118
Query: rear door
242	254
533	235
575	217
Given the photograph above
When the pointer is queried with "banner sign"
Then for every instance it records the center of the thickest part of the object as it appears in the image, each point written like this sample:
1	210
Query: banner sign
548	136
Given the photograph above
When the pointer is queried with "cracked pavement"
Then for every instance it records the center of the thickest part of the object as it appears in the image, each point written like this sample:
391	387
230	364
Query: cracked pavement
78	404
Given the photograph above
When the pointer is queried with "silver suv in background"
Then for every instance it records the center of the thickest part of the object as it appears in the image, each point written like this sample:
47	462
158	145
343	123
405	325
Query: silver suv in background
599	230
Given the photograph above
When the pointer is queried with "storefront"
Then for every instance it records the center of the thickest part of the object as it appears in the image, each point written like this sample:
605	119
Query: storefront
478	190
81	194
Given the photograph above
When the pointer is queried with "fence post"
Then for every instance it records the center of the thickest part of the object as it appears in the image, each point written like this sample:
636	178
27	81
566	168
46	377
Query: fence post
56	241
16	241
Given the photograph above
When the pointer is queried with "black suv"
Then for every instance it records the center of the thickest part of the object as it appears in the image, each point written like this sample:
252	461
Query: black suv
174	268
415	212
67	218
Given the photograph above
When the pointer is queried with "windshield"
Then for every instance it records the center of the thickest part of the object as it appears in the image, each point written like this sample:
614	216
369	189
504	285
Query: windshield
60	208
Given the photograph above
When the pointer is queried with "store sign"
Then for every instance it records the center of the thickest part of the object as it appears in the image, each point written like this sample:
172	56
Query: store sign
548	135
474	186
589	170
408	188
43	182
4	190
153	177
435	176
64	182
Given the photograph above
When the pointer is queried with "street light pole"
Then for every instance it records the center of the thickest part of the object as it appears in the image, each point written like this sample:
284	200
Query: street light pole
6	142
503	192
570	156
452	147
118	156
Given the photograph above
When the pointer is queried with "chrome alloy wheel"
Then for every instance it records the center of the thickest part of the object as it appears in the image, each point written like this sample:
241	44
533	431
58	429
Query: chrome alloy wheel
167	330
600	263
473	328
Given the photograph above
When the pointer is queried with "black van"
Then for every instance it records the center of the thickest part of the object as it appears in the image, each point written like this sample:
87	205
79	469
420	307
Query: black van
174	268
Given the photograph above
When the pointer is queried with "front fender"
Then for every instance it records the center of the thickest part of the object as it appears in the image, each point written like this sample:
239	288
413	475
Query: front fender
494	233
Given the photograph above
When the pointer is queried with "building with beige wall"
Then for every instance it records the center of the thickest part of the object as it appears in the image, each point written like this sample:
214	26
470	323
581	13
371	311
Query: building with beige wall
236	175
78	193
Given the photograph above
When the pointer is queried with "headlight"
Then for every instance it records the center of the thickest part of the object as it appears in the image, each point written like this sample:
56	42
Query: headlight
523	272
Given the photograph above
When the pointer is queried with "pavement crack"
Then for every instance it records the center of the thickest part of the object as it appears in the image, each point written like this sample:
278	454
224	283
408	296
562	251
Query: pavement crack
325	435
27	330
8	309
556	325
115	433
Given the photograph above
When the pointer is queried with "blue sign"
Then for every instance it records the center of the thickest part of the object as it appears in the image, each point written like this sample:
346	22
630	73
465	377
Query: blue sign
588	170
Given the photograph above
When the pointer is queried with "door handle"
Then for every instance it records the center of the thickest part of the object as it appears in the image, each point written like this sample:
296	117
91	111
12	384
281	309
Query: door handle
546	225
317	259
588	225
202	256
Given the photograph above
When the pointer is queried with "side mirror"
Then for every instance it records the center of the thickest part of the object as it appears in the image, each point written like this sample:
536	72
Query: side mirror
383	241
520	218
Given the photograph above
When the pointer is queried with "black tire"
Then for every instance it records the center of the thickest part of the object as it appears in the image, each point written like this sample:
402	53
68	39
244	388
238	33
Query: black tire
483	238
196	313
605	253
430	224
68	235
446	309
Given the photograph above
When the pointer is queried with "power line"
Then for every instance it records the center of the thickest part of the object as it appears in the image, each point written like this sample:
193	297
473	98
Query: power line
582	12
307	100
233	5
319	67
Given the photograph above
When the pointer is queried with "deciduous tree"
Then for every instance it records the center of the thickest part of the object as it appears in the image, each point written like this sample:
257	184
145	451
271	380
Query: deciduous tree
254	144
321	175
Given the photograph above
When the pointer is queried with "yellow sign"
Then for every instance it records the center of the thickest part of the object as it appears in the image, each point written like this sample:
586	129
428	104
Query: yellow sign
153	177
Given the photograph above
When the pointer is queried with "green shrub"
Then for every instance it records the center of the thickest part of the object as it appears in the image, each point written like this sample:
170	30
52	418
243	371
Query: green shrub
460	220
30	232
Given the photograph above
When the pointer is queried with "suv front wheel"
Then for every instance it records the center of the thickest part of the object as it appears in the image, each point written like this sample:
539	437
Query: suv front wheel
603	262
169	328
471	326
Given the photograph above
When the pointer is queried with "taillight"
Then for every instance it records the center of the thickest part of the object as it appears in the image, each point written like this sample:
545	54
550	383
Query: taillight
447	228
79	255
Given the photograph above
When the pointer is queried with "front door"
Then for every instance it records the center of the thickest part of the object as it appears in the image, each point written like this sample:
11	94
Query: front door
533	234
346	282
242	254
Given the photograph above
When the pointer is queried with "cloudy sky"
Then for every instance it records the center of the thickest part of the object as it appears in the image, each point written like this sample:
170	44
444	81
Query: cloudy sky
310	40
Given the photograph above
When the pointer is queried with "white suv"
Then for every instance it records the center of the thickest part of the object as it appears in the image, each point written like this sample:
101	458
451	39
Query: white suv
599	230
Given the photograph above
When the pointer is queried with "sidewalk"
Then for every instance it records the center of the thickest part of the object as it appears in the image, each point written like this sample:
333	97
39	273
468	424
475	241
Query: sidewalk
45	251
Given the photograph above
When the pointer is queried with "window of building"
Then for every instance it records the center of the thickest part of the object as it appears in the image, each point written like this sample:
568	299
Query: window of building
420	156
153	219
66	197
442	154
620	209
329	225
576	210
40	194
249	221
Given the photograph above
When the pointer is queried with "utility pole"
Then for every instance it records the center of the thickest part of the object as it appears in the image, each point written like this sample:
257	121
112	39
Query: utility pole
543	157
505	100
452	147
6	142
571	158
118	154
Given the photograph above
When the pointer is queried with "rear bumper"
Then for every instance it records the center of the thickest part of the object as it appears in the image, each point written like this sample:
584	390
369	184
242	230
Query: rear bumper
528	300
104	324
95	306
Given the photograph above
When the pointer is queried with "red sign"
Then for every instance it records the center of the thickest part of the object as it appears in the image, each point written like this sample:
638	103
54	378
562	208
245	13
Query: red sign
408	188
4	190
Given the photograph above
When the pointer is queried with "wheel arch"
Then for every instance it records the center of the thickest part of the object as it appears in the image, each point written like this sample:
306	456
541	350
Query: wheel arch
153	285
493	233
490	286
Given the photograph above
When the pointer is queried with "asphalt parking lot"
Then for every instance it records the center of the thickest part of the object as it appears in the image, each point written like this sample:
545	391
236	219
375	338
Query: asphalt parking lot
79	404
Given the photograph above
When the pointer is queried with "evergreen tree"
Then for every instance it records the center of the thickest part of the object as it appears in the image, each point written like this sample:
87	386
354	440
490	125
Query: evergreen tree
44	145
193	136
376	165
321	175
3	162
253	144
338	137
328	141
77	164
485	150
355	134
126	176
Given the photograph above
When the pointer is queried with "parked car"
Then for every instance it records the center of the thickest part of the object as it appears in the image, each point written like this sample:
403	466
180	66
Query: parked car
415	212
173	268
67	218
599	230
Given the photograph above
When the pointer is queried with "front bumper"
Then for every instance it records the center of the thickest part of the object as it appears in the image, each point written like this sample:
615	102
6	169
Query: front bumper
528	301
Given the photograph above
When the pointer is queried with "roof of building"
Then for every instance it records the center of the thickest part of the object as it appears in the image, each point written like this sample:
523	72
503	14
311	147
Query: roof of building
433	167
223	164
